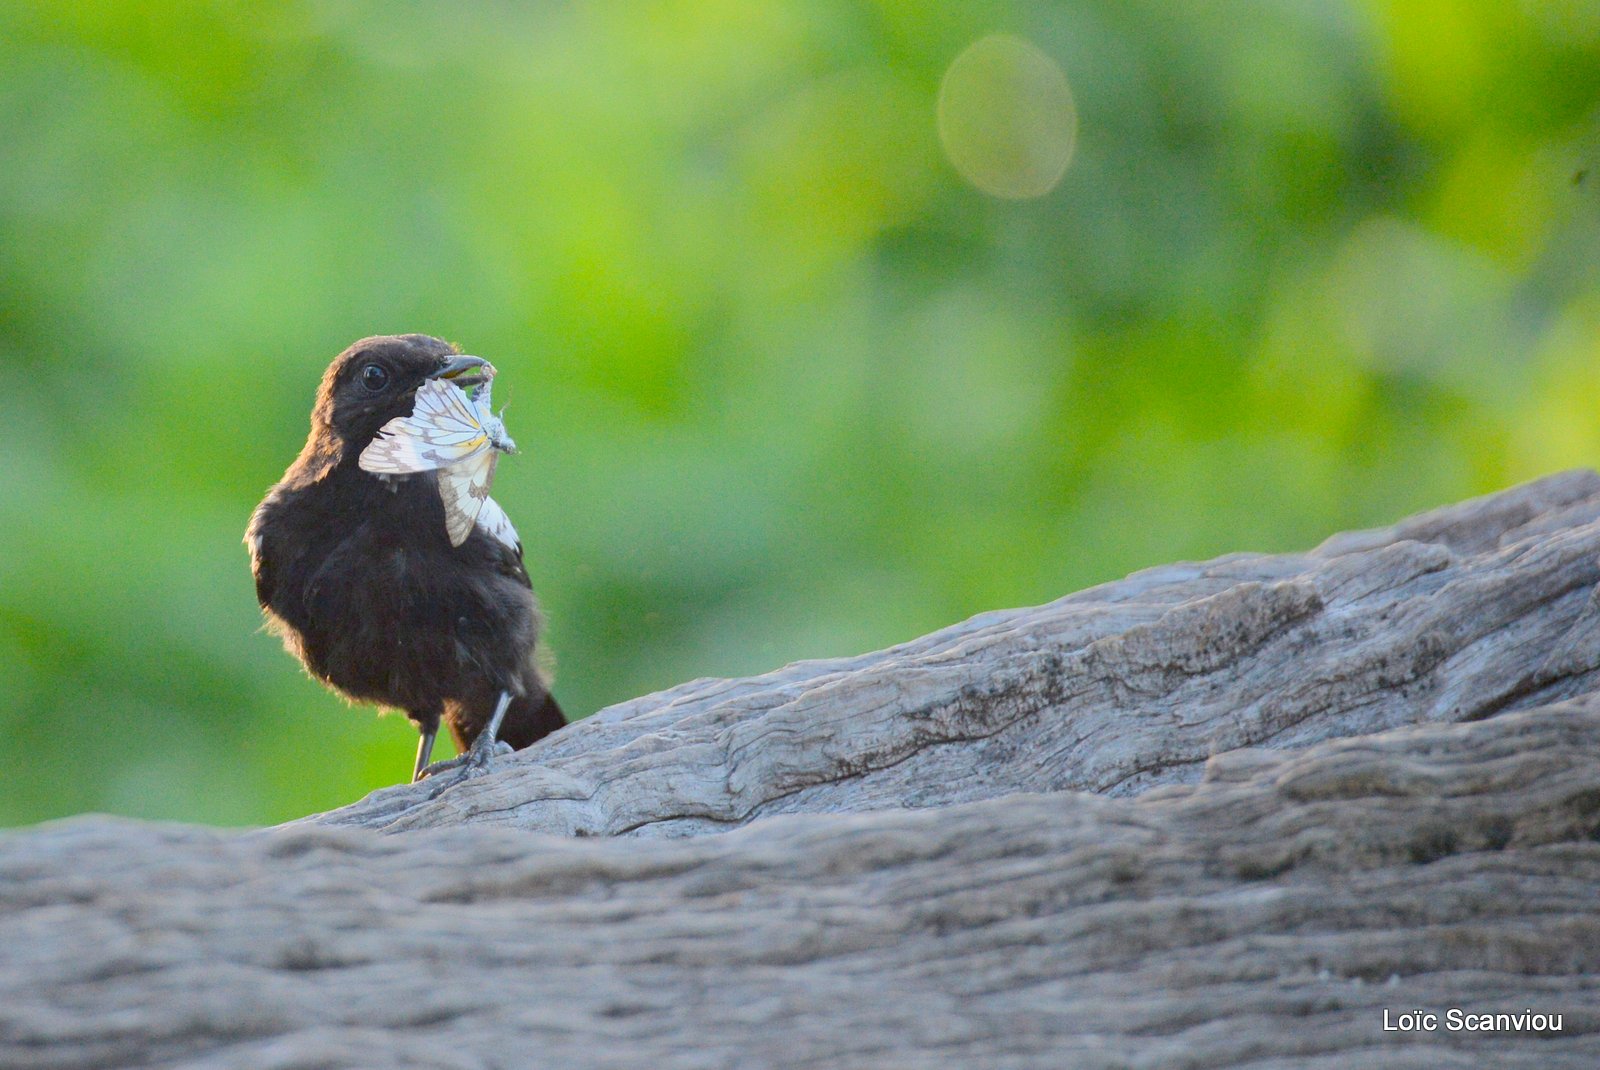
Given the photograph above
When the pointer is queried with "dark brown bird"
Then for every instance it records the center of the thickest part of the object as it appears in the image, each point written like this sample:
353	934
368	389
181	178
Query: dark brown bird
358	575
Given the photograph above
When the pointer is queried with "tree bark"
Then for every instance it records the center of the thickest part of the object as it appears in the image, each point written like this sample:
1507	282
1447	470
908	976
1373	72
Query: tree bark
1450	616
1212	815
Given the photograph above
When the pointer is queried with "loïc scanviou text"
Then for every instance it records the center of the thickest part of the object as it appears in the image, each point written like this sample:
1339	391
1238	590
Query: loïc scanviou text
1457	1020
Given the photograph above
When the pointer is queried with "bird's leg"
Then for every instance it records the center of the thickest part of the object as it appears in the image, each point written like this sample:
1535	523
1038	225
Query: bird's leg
476	757
491	731
424	750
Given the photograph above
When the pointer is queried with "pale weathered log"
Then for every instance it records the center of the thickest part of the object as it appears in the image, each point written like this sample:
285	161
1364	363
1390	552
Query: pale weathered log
1267	917
1414	822
1450	616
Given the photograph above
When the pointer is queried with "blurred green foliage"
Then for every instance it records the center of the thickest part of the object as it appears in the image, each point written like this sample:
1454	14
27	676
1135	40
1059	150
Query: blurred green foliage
786	385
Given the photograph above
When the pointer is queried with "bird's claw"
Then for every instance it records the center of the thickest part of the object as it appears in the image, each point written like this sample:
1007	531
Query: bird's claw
475	760
472	762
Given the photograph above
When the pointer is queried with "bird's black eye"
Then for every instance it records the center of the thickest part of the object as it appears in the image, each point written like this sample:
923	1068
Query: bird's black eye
374	377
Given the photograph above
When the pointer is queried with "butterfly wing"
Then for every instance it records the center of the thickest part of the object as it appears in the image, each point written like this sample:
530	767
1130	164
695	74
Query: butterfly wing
443	429
454	435
464	488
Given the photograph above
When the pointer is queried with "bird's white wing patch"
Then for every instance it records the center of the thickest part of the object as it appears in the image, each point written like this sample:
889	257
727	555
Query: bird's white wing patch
493	520
464	487
443	429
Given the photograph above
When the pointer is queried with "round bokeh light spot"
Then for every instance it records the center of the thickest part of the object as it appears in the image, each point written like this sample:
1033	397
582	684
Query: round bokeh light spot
1006	117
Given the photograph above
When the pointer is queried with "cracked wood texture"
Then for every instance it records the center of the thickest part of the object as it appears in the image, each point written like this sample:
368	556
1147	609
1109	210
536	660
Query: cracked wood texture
1213	815
1450	616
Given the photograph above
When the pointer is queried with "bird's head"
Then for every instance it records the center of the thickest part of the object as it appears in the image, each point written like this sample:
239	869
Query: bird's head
376	380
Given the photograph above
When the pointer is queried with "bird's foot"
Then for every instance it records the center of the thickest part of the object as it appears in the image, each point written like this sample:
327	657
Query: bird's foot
487	745
471	763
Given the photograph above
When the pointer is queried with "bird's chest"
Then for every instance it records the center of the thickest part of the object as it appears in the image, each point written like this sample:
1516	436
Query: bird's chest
387	615
388	571
356	553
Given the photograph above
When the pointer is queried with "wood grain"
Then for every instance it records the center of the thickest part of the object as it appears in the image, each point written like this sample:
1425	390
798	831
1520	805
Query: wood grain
1212	815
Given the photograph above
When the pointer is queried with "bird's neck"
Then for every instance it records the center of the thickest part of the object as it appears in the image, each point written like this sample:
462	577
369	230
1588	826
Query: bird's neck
323	452
333	496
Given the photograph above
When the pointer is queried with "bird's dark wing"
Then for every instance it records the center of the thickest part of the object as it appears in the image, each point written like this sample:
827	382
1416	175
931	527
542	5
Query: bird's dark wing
260	568
507	560
496	542
266	541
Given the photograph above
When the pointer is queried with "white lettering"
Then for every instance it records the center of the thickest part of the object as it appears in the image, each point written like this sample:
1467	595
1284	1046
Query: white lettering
1457	1020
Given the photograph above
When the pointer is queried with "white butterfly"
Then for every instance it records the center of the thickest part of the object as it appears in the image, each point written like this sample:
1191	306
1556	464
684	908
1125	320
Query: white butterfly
458	437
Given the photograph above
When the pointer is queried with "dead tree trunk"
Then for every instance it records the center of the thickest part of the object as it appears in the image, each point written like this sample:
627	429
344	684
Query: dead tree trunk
1213	815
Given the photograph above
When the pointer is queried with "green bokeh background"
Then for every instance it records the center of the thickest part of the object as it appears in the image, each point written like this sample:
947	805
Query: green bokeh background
786	385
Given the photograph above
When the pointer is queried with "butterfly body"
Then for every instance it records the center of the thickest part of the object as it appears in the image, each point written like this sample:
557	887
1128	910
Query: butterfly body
494	426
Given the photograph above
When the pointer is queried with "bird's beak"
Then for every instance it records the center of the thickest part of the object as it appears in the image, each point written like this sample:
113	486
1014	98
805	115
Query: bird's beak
465	371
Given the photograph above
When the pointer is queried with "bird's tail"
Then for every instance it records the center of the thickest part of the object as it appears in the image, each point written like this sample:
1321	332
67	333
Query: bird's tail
530	718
